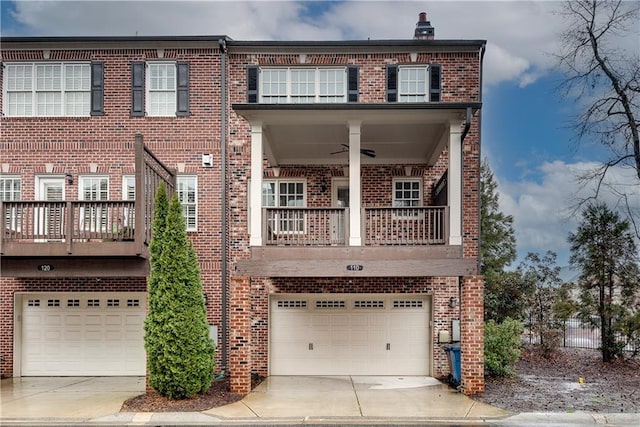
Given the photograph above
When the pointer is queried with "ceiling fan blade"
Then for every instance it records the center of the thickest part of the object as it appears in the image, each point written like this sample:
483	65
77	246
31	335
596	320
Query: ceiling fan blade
367	152
341	151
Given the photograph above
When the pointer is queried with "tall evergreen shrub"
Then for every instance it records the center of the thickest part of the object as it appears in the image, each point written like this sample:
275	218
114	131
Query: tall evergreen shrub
180	354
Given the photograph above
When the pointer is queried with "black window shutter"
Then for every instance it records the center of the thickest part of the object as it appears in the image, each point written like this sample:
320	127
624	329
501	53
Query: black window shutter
137	88
392	83
97	89
252	84
352	78
182	102
435	86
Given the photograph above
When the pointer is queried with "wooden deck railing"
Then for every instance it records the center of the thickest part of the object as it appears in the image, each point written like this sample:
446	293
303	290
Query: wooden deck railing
380	226
45	221
72	222
305	226
406	226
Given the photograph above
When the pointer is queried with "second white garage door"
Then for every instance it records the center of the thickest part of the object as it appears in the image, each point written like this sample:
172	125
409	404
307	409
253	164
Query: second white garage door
80	334
350	334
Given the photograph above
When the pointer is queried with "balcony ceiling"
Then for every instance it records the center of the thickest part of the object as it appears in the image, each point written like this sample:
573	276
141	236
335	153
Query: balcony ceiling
309	136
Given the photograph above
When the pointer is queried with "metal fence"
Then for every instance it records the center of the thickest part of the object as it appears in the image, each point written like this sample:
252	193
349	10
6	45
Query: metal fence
577	334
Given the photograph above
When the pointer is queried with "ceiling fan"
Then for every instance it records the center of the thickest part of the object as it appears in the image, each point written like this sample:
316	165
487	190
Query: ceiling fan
364	151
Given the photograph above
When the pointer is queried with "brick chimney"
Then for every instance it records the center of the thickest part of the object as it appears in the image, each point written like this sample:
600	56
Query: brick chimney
424	30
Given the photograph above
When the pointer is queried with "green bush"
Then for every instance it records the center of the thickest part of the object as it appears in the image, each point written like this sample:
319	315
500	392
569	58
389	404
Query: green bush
501	346
180	353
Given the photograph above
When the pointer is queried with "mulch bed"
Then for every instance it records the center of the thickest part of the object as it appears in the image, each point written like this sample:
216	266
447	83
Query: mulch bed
217	395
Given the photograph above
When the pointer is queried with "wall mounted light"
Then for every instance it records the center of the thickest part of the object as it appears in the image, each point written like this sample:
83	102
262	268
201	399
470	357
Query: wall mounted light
452	302
206	298
69	178
323	185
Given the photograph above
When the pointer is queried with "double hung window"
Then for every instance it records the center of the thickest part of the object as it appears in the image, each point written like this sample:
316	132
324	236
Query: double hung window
187	194
160	89
407	193
10	190
94	215
414	83
48	89
303	85
284	194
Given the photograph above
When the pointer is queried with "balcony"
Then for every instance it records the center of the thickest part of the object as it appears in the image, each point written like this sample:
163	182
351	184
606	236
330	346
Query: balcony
80	238
382	226
61	228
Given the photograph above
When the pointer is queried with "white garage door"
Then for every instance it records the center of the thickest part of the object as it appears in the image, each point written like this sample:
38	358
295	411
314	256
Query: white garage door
350	334
79	334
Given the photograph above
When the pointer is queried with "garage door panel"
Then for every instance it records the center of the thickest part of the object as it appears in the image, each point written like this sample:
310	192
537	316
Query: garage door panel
351	335
79	334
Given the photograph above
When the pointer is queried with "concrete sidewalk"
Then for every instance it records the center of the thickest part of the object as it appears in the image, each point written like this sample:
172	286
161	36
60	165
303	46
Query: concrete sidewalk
278	400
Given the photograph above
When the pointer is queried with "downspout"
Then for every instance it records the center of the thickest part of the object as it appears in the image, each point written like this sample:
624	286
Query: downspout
480	78
223	172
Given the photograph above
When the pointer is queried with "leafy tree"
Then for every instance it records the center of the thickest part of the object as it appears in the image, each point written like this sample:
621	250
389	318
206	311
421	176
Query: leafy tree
497	250
604	250
180	353
541	277
604	81
505	296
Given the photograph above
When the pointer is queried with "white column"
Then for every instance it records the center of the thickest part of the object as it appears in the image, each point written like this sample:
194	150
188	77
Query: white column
255	202
455	183
355	196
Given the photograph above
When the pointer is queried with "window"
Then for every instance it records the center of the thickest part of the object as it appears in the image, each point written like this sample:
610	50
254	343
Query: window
413	84
129	194
51	89
164	85
285	194
407	193
161	80
304	85
187	194
94	216
10	190
416	83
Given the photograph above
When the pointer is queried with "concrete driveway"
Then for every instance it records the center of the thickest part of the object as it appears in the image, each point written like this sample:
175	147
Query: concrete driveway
98	399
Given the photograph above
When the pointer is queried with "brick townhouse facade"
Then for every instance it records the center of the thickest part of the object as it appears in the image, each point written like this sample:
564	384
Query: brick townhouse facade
330	189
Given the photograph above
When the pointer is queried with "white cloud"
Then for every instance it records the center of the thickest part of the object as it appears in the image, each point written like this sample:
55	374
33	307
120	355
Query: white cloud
518	33
546	210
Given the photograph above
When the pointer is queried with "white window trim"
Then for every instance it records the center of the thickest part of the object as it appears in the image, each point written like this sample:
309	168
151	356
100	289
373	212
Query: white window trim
13	219
34	91
279	181
277	229
290	99
426	83
393	197
125	193
195	189
149	91
12	178
98	216
82	180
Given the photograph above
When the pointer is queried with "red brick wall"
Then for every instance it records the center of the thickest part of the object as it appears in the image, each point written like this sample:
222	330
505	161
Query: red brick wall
31	145
240	336
472	339
439	288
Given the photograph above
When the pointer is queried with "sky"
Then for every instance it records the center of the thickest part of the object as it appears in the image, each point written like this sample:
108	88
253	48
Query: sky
526	136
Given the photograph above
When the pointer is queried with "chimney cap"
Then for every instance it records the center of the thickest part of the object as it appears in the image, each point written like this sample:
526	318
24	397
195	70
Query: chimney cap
424	30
